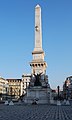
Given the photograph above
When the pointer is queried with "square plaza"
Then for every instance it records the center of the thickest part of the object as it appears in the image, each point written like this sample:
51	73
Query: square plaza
35	112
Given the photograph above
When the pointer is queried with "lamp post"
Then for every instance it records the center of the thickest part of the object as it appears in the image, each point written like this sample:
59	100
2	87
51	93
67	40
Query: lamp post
58	92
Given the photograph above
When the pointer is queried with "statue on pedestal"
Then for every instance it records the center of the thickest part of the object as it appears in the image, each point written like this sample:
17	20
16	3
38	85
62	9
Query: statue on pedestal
37	79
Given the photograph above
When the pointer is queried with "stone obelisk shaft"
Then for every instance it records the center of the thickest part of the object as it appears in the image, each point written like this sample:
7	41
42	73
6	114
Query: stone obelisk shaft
38	29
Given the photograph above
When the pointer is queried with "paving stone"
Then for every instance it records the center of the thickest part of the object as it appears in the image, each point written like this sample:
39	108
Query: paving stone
35	112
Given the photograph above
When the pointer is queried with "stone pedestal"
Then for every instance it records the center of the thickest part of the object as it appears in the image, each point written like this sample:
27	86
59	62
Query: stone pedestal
37	95
6	102
58	102
67	102
11	103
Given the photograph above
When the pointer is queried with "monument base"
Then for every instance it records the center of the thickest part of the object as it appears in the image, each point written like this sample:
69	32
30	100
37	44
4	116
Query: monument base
67	102
37	95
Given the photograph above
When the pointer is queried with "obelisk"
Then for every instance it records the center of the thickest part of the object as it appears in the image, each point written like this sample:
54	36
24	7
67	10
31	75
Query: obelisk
38	90
38	29
38	64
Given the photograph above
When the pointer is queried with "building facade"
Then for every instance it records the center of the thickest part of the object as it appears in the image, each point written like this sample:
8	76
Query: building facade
14	88
67	88
25	83
3	88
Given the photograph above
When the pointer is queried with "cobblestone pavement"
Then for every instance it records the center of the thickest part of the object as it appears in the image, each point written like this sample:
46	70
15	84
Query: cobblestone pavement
35	112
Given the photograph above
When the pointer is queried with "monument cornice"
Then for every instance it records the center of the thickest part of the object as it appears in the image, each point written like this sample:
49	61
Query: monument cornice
37	52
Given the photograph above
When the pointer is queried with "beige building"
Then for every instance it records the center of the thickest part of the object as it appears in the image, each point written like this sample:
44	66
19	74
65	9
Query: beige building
25	83
14	88
3	88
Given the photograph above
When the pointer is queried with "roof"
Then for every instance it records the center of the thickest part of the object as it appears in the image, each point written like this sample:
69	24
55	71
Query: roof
13	79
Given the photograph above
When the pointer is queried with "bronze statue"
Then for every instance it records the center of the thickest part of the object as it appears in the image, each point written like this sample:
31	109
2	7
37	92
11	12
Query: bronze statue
37	79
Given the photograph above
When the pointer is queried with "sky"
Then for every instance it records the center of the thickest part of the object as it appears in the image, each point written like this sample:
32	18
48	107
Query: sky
17	38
